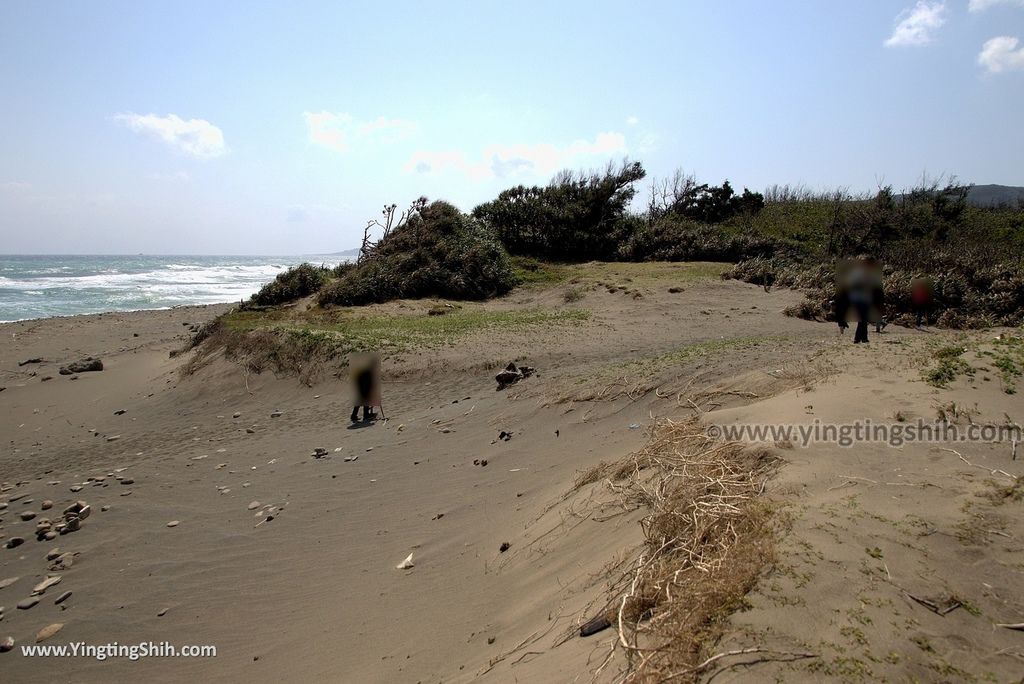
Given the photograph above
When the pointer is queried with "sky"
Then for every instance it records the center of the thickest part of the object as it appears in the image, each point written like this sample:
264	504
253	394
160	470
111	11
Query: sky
281	128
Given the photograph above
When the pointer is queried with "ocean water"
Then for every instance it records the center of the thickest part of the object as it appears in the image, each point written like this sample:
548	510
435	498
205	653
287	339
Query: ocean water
41	286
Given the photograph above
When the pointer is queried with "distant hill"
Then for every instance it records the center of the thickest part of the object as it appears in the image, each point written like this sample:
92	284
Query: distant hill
348	252
994	195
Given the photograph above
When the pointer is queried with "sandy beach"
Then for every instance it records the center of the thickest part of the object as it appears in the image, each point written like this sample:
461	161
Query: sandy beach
215	521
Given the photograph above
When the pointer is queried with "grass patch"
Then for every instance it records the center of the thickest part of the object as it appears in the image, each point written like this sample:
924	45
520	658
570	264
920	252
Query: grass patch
950	365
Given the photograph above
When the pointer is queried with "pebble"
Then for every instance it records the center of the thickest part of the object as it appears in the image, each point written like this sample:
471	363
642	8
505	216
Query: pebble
25	604
237	415
276	414
254	505
8	582
6	644
15	541
173	523
76	488
162	612
127	481
62	598
113	438
48	631
27	515
46	584
53	553
46	505
105	508
250	431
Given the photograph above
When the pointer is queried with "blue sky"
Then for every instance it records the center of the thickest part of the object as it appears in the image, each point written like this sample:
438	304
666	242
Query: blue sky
280	128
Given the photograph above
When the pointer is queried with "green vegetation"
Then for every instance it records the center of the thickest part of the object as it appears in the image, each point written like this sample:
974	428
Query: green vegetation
295	283
950	365
351	331
436	252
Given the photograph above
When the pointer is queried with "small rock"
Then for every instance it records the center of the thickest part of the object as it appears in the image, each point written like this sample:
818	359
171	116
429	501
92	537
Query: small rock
236	415
82	366
76	488
276	414
46	505
120	412
6	644
62	598
127	481
27	515
53	553
4	583
253	505
15	541
105	508
46	584
48	631
173	523
504	547
404	565
113	438
162	612
25	604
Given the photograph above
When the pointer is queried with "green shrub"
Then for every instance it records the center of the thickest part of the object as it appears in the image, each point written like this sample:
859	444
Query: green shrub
295	283
674	238
437	252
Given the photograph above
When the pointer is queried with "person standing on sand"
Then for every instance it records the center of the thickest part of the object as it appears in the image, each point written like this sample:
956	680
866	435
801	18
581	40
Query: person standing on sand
365	372
921	297
856	283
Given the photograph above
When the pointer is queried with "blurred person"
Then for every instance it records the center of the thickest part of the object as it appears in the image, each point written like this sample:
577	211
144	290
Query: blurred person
858	288
921	293
365	374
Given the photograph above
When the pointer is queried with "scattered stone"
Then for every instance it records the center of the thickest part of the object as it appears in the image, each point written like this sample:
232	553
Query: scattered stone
319	452
594	626
25	604
404	565
53	553
28	361
48	631
349	459
120	412
276	414
162	612
27	515
46	505
15	541
253	505
76	488
127	481
438	516
250	431
4	583
62	598
82	366
105	508
113	438
46	584
511	375
504	436
6	644
504	547
236	415
173	523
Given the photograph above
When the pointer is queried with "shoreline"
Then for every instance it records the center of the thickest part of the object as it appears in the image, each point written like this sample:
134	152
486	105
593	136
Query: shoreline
121	311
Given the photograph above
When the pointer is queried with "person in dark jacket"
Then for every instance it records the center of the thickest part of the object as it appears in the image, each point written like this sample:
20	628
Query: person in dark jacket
365	370
858	291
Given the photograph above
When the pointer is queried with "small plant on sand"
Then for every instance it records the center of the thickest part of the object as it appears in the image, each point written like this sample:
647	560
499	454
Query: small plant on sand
950	365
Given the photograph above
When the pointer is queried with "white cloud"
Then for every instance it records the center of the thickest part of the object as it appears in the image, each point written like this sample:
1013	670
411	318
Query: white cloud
337	131
632	121
1001	54
915	26
196	137
504	161
982	5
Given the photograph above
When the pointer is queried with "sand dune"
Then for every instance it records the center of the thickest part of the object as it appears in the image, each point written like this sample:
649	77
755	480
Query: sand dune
285	558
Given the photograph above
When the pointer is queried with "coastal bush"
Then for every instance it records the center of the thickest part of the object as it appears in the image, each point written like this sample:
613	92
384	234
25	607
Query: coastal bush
577	217
675	238
295	283
437	252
